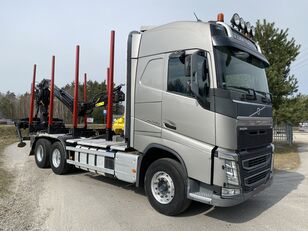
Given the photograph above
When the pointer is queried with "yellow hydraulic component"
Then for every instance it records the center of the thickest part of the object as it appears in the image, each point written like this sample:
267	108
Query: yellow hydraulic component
100	104
118	126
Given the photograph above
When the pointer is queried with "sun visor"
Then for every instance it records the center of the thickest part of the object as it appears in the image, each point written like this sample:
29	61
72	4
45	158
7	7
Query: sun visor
242	45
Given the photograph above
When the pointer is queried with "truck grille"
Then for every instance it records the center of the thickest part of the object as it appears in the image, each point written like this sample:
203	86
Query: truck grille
255	167
257	179
255	162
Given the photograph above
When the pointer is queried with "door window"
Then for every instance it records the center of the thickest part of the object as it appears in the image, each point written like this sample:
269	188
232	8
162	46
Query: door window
178	81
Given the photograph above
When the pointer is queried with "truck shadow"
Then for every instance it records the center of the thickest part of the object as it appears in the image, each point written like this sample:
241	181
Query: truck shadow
284	183
115	182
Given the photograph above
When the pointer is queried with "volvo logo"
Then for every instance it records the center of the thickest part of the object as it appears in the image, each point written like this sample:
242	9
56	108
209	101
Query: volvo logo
258	112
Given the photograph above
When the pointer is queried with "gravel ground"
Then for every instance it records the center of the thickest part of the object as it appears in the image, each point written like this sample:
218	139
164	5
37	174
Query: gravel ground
40	200
18	207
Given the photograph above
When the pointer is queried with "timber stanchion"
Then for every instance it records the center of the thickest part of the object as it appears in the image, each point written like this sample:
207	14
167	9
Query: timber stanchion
85	99
75	106
32	98
107	79
51	97
110	88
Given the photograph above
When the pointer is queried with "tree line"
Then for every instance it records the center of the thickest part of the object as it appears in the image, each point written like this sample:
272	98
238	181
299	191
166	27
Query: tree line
15	107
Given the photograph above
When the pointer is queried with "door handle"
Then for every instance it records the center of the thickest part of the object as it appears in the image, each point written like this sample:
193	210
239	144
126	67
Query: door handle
170	125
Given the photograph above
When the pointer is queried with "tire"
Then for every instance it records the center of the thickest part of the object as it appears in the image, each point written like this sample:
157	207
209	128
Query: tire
42	153
58	159
165	187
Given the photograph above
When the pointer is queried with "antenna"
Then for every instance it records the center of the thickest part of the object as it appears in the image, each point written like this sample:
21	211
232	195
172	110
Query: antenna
198	20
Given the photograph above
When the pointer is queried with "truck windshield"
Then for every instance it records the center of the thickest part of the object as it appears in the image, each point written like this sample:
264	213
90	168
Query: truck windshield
238	70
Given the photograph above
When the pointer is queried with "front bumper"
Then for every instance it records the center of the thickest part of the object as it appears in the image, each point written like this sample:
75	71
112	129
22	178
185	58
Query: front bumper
205	195
254	171
227	202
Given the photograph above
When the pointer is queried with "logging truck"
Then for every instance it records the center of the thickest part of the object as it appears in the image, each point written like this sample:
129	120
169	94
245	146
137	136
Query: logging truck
198	117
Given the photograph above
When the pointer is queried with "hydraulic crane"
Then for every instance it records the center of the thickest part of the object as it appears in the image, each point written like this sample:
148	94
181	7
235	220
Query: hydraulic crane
42	101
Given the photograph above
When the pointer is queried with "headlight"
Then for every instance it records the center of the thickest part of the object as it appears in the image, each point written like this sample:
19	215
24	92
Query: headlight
231	172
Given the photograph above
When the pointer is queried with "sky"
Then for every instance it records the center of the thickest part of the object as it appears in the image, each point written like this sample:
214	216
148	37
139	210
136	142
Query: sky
32	31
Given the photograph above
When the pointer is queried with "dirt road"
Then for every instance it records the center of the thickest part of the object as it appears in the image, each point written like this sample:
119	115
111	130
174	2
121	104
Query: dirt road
41	200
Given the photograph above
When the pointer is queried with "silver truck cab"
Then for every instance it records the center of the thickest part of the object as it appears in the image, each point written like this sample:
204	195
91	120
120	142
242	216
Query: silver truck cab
198	91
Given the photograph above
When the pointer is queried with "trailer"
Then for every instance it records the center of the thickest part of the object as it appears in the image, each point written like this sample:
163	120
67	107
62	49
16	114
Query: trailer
198	117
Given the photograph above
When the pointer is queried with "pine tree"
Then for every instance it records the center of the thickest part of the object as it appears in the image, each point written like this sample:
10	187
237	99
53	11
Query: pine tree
280	51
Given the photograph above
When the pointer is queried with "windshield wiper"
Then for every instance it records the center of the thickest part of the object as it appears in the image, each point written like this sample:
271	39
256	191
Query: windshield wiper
265	99
251	93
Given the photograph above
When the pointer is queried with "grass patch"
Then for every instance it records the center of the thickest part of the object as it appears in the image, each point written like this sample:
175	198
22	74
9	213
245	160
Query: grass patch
7	136
286	157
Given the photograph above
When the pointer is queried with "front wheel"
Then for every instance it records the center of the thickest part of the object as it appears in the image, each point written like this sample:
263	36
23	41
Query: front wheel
58	159
165	187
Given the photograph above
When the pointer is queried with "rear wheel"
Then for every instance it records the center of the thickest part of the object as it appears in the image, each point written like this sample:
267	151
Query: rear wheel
42	153
58	159
165	186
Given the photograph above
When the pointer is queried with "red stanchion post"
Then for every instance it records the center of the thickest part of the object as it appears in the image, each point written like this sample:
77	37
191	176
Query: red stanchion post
85	99
51	97
75	108
107	79
32	96
107	84
110	87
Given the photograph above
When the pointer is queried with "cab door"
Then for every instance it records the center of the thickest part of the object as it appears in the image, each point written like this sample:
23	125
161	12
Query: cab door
187	107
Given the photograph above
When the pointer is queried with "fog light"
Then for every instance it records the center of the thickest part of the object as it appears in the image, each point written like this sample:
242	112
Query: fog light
231	172
229	192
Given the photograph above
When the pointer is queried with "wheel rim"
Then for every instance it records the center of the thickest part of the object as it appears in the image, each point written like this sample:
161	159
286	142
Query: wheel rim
39	153
162	187
56	158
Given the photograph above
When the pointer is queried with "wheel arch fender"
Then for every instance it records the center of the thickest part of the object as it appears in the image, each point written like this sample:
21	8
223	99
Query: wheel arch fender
34	140
152	153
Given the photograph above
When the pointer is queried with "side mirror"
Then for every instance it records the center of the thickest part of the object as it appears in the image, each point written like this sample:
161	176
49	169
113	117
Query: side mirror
187	65
200	77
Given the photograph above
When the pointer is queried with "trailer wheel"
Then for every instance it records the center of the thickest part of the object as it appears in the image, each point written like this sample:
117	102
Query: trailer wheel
58	159
165	187
42	153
